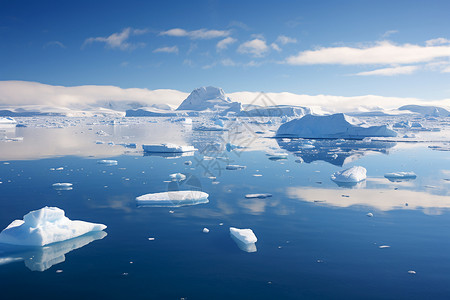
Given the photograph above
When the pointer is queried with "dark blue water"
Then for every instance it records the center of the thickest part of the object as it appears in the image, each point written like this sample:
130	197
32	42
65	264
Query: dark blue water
313	241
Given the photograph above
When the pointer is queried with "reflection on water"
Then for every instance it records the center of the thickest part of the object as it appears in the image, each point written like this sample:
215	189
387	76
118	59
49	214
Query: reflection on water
43	258
336	152
381	199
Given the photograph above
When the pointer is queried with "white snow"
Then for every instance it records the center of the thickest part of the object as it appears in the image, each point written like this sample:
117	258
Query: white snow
45	226
350	175
333	126
261	196
177	176
173	198
244	238
400	175
167	148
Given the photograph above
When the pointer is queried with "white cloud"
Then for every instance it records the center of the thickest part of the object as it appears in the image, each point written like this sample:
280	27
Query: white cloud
389	33
228	62
223	44
255	47
438	41
54	43
390	71
118	40
197	34
173	49
284	40
275	47
383	52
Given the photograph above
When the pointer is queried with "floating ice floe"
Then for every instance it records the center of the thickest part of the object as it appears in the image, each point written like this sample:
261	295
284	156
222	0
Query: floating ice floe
110	162
277	155
62	186
7	121
244	238
43	258
331	127
45	226
397	176
260	196
177	176
351	175
211	128
173	198
167	148
235	167
205	230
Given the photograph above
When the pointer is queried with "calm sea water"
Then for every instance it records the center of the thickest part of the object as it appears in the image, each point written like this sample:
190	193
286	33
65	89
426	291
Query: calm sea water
314	237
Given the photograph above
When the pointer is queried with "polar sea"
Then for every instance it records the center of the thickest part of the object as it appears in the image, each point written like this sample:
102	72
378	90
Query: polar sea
315	237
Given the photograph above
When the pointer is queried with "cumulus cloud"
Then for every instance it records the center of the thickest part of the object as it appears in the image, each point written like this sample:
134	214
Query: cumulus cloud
389	33
173	49
438	41
256	47
201	34
275	47
383	52
223	44
284	40
118	40
390	71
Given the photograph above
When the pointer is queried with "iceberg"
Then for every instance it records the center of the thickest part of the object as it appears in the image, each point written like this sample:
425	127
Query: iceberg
275	111
397	176
211	99
62	186
45	226
434	111
177	176
244	238
173	198
110	162
167	148
43	258
260	196
351	175
235	167
337	126
7	121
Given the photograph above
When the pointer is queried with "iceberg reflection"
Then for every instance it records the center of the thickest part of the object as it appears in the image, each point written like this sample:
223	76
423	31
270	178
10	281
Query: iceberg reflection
43	258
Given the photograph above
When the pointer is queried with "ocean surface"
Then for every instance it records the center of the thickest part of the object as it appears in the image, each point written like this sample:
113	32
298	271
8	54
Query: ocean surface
315	239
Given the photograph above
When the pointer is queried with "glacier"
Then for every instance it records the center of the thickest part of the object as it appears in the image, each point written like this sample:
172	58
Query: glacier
45	226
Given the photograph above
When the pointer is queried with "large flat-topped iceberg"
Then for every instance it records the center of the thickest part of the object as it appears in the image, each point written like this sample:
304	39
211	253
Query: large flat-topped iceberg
45	226
275	111
331	127
395	176
209	98
167	148
173	198
351	175
244	238
434	111
7	121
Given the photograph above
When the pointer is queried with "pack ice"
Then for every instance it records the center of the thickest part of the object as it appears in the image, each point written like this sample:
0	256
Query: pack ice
167	148
331	127
244	238
173	198
350	175
45	226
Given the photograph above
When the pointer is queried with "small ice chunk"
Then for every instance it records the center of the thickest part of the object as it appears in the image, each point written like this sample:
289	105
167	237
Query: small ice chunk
277	155
45	226
167	148
411	272
244	238
370	214
188	163
353	174
261	196
62	185
235	167
177	176
400	175
110	162
173	198
205	230
384	246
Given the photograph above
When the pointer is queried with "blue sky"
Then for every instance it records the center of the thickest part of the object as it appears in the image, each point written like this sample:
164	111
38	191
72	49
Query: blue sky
346	48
